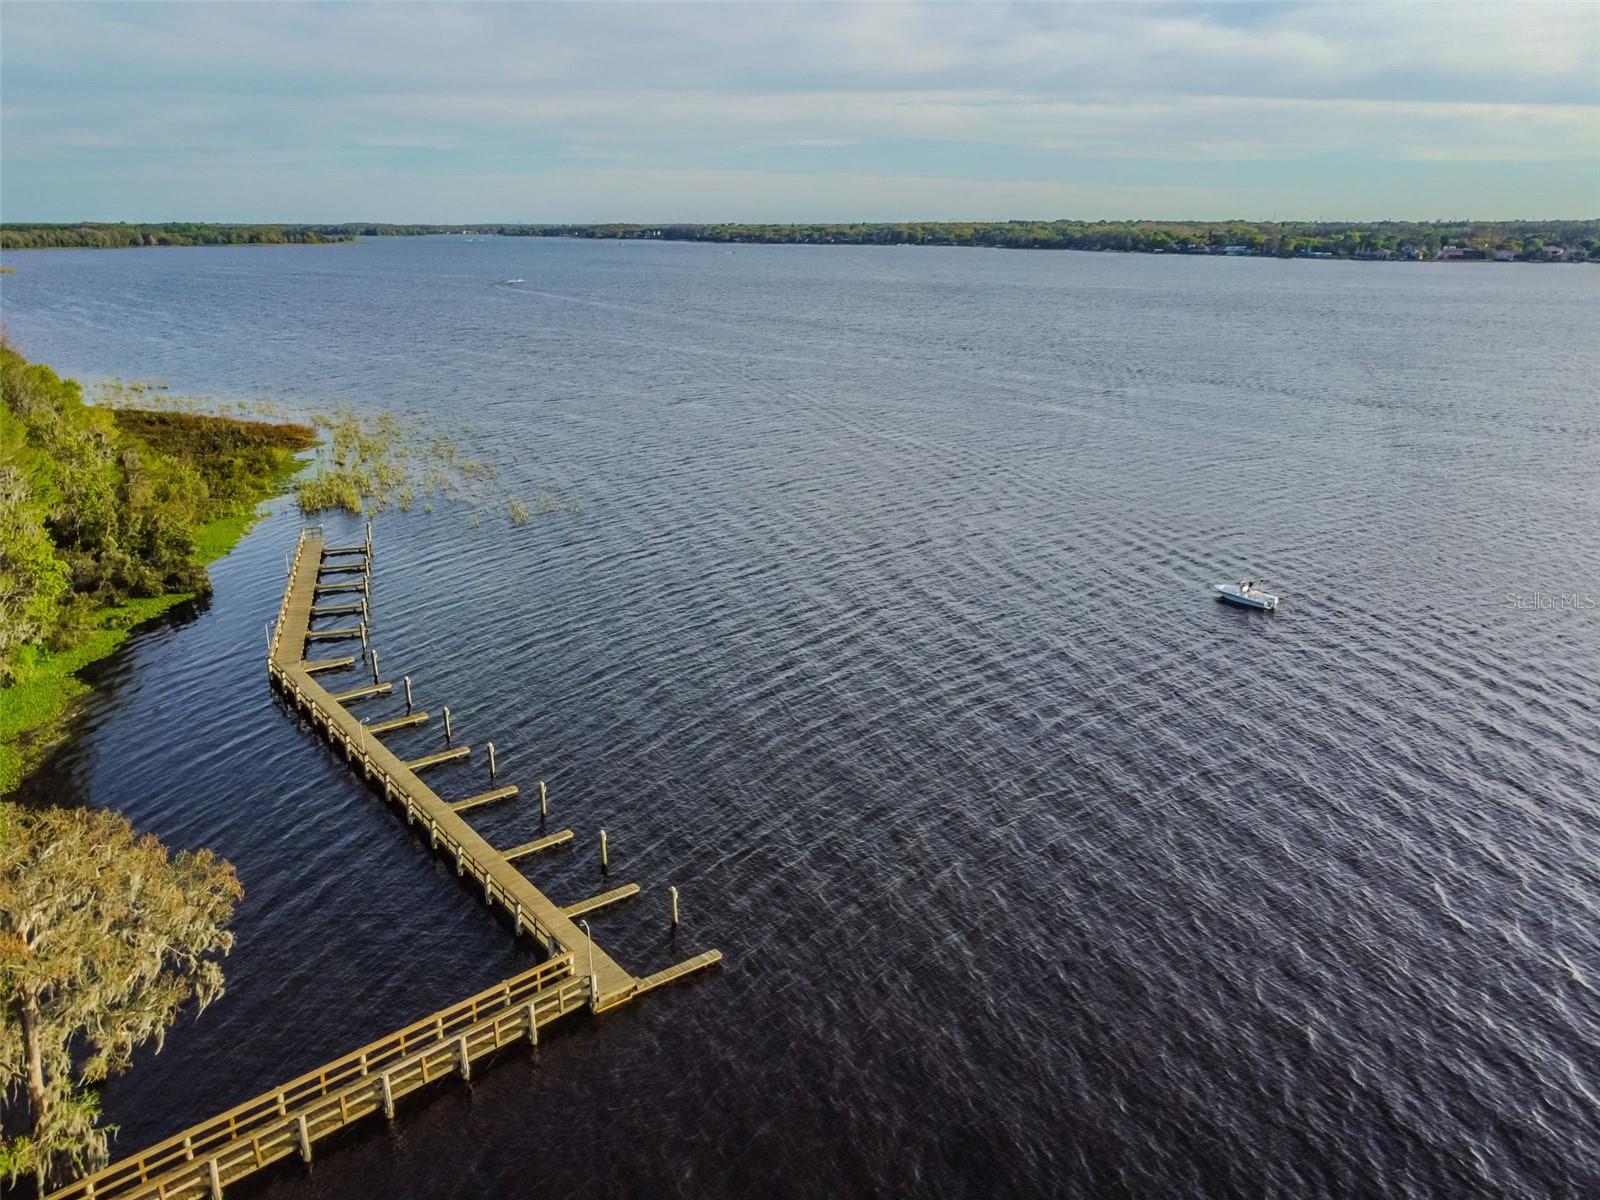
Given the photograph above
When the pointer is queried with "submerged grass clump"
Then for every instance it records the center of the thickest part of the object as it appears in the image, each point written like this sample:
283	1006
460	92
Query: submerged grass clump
363	463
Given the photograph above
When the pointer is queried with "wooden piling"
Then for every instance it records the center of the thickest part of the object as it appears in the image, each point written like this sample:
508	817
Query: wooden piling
446	724
544	802
674	893
605	858
491	762
408	692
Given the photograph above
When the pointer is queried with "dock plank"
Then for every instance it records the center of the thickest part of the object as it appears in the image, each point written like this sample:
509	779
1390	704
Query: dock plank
332	635
492	796
362	693
312	666
433	760
603	900
406	722
537	846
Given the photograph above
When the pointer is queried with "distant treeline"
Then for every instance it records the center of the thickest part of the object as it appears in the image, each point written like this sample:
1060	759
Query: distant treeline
1284	239
18	236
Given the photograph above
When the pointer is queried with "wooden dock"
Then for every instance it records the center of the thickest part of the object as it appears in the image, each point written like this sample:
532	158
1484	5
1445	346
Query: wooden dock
576	976
442	820
289	1120
447	829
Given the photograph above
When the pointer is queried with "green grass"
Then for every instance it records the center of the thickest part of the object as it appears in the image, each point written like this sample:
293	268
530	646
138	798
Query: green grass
216	538
33	710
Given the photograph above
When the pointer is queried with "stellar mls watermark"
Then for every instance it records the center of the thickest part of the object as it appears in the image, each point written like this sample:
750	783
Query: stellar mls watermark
1586	601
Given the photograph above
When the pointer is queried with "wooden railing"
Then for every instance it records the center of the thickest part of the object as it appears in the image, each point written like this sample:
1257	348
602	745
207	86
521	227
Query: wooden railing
287	1120
283	605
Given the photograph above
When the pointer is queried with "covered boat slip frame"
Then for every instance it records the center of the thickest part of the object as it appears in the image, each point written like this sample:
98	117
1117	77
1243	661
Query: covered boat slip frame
577	975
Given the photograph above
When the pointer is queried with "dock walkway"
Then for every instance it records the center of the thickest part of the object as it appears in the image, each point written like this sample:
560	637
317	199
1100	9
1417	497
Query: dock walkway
576	975
446	827
289	1119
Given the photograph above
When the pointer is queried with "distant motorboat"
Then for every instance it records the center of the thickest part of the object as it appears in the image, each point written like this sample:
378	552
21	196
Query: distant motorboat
1247	594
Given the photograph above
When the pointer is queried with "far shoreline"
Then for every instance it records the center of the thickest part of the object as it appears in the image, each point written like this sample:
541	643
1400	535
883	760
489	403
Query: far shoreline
1544	241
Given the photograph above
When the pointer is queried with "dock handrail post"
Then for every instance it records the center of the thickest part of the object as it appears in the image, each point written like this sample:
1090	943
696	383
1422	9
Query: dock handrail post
674	893
446	724
594	982
491	762
408	695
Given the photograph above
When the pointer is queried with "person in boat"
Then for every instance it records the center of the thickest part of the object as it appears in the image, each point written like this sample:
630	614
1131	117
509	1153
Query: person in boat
1244	587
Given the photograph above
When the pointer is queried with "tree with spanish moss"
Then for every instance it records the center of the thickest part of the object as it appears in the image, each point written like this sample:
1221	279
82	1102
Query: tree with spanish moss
104	938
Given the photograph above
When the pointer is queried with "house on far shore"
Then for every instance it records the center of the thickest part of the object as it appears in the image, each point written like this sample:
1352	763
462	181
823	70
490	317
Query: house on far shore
1461	254
1506	256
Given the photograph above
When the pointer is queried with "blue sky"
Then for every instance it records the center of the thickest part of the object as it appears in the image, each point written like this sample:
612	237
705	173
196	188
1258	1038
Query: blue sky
807	112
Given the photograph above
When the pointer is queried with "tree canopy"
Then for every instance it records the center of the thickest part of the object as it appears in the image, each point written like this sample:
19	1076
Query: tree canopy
100	505
104	937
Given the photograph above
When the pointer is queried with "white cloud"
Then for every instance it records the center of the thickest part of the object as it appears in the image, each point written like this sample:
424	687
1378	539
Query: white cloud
976	92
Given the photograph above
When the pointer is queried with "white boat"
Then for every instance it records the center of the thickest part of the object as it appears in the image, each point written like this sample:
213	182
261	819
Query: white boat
1246	593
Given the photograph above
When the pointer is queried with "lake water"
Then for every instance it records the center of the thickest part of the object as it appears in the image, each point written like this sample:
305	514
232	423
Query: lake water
886	635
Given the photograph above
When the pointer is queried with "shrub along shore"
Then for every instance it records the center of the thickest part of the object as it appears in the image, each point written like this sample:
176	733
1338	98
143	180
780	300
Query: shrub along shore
108	518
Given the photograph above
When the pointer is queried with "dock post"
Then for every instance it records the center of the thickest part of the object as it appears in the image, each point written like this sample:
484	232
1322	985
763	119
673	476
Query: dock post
594	980
544	802
388	1097
533	1027
446	724
466	1061
374	658
215	1178
491	762
303	1136
364	636
605	859
369	539
674	892
365	616
408	695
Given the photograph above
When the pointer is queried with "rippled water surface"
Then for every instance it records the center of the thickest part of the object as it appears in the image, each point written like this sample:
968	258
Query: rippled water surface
885	636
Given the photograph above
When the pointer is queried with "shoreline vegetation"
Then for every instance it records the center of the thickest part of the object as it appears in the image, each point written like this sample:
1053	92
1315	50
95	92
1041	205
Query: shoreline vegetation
1529	241
364	463
111	508
108	518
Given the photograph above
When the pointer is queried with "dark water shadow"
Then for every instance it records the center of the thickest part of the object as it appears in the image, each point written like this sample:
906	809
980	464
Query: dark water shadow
61	777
